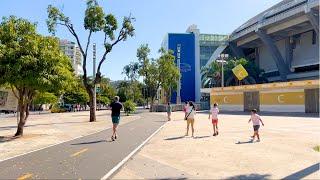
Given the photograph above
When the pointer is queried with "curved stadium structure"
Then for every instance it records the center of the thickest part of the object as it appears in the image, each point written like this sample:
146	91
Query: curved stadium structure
283	40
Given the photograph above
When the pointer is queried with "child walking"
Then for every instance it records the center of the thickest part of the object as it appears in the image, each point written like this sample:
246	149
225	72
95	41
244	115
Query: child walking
214	112
255	118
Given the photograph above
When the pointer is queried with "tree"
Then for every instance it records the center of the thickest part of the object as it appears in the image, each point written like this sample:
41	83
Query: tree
76	95
44	98
30	63
95	21
144	68
212	73
168	72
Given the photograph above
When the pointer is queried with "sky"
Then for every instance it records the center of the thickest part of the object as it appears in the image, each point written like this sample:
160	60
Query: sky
154	18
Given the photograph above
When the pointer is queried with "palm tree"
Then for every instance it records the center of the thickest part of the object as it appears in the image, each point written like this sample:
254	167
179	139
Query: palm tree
211	75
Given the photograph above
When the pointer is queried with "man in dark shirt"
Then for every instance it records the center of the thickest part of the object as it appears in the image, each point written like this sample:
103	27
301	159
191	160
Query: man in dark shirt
116	107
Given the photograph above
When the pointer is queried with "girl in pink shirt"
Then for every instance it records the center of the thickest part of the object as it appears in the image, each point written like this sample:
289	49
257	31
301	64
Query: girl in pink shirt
255	118
214	112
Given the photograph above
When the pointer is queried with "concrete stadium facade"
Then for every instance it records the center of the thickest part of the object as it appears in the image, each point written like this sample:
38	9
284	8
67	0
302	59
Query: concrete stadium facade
283	40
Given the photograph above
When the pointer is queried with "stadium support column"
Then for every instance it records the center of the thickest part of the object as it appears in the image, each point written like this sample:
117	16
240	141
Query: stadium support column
236	50
275	53
313	17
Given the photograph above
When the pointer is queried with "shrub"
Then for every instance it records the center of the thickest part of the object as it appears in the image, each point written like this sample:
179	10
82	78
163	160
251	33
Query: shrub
57	109
129	107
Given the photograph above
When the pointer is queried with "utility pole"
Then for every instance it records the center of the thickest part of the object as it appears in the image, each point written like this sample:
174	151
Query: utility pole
94	74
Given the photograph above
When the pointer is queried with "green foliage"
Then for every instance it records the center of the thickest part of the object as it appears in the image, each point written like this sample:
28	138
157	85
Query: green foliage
95	21
168	72
129	107
31	63
45	98
212	75
76	95
56	108
131	71
103	99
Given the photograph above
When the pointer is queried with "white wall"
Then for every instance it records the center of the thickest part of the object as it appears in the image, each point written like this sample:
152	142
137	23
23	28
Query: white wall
306	53
266	61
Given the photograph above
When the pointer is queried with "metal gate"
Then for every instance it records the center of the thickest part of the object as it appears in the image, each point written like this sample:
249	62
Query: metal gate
251	100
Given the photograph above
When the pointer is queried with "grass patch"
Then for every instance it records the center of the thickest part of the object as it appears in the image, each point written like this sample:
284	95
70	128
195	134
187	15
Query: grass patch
317	148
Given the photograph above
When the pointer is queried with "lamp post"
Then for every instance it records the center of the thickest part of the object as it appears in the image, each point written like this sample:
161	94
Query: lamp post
94	74
222	58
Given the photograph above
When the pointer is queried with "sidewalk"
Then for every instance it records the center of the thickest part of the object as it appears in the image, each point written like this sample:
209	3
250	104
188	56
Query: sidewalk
285	150
49	129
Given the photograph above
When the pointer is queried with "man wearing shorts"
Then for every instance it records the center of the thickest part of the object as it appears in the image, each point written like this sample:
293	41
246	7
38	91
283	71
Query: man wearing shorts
116	107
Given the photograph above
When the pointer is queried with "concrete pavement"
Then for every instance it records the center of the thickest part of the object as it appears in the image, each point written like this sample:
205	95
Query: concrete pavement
284	152
49	129
89	157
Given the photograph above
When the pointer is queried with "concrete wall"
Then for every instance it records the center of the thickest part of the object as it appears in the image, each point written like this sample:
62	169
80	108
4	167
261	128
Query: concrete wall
266	61
305	53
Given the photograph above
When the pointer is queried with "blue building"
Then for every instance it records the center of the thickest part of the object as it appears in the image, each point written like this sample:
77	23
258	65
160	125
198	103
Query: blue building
192	51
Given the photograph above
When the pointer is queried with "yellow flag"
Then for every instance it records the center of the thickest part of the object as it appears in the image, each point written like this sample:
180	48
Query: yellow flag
240	72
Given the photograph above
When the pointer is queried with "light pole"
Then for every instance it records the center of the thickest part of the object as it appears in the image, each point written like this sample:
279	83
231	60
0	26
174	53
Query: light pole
222	59
94	74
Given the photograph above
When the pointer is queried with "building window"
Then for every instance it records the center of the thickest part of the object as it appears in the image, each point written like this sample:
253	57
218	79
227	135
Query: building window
314	37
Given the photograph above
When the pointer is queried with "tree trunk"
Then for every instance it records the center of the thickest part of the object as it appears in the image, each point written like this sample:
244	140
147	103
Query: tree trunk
24	114
92	105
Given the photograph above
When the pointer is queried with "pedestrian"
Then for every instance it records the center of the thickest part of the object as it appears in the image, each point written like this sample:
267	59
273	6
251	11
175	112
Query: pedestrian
190	118
116	107
214	112
255	118
169	110
185	108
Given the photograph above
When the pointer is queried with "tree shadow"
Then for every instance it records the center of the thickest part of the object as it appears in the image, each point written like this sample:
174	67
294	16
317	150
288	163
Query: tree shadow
32	125
182	178
4	139
91	142
303	173
252	176
174	138
245	142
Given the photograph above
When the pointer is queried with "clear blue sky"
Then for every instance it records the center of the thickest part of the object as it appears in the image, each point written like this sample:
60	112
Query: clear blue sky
154	18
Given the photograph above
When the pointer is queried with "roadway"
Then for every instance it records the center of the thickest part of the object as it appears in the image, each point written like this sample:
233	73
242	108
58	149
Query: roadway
89	157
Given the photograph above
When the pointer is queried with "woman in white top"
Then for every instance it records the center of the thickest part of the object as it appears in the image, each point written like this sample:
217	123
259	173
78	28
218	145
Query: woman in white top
191	111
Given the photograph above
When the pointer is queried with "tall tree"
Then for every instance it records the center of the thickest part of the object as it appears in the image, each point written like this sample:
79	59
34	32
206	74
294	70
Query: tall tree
30	63
144	68
95	21
168	72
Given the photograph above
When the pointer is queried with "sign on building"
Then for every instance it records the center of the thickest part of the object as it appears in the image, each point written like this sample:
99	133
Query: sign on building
240	72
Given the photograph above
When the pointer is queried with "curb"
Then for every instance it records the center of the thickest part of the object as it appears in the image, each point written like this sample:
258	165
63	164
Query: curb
121	163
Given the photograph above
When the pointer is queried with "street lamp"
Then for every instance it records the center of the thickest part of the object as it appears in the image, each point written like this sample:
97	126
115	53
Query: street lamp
222	58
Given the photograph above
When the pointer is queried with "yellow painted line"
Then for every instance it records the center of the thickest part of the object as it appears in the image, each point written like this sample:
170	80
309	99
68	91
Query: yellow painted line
26	176
79	152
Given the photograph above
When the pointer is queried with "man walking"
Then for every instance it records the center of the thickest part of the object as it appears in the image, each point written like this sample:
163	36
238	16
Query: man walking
116	107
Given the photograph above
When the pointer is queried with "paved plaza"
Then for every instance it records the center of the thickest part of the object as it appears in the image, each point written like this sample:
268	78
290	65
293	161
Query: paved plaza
285	150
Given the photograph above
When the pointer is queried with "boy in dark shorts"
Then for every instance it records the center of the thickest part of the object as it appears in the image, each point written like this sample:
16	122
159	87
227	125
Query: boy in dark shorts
255	118
116	107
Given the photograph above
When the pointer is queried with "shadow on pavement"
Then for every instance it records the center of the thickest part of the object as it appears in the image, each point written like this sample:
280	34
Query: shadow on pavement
173	178
4	139
174	138
201	137
11	127
91	142
304	172
252	176
244	142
